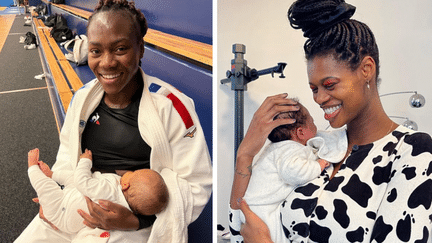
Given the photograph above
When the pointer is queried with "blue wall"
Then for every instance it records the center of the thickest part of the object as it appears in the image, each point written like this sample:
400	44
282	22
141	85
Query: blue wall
34	2
6	3
191	19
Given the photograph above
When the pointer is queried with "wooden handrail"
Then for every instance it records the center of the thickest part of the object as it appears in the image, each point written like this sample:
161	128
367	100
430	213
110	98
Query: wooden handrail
195	50
77	11
72	77
62	87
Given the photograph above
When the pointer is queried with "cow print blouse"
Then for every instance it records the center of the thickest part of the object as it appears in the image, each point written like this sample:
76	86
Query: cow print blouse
382	193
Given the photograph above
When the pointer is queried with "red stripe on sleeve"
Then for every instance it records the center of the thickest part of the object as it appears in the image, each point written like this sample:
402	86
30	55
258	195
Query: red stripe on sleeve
181	109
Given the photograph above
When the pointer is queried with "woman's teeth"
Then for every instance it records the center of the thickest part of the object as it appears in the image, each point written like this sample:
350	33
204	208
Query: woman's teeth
111	76
332	109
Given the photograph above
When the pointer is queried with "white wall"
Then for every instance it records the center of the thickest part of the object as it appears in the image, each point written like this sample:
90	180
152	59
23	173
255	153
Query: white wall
403	30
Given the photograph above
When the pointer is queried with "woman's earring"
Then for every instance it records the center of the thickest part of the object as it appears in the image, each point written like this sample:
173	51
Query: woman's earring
368	86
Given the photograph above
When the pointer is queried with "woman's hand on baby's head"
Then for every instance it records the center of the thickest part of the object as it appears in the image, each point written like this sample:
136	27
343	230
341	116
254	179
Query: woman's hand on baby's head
263	123
87	154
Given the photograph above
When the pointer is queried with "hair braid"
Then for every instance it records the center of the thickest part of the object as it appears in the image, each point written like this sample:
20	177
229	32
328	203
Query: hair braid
329	30
123	5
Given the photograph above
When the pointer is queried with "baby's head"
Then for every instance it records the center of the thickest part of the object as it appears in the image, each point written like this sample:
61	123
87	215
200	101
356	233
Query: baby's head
145	191
300	131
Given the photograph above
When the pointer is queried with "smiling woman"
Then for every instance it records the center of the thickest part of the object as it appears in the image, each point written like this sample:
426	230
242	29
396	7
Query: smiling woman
343	94
385	166
114	58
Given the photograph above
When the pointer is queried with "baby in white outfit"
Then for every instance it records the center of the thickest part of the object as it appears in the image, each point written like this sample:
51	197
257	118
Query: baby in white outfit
143	191
297	155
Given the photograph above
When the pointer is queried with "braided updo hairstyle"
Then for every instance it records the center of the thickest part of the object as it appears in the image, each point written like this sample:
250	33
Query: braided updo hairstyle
136	15
329	29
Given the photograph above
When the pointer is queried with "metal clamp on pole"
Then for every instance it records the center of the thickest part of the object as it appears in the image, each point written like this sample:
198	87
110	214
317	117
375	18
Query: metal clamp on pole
239	76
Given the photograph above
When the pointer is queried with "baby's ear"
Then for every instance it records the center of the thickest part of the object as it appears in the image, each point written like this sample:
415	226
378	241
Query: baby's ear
300	132
125	186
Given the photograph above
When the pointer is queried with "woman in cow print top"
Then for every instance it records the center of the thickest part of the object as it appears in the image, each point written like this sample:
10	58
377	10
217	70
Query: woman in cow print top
382	190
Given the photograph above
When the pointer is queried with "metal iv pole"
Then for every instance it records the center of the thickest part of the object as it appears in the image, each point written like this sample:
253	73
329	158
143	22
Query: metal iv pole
239	76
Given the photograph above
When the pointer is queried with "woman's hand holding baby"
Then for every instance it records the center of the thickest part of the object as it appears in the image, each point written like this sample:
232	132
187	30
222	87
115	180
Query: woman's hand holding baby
262	123
254	229
109	216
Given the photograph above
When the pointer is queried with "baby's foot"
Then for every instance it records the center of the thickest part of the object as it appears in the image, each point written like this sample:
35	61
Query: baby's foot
45	169
33	157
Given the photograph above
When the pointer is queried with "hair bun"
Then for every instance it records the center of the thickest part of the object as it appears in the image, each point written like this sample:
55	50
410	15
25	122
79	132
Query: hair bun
315	16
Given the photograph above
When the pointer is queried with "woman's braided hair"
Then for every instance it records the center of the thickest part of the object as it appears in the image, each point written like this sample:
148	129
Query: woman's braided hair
329	29
123	5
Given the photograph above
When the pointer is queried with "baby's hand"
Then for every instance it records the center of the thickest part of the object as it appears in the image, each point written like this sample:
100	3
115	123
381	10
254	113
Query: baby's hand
323	163
33	157
87	154
45	169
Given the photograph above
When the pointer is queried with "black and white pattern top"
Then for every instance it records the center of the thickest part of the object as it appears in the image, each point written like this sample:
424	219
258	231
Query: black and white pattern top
382	193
